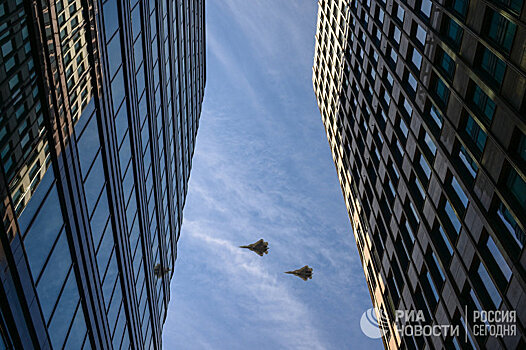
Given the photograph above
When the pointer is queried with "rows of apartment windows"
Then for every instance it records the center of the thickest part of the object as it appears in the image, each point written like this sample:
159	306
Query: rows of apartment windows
480	99
432	280
457	194
497	30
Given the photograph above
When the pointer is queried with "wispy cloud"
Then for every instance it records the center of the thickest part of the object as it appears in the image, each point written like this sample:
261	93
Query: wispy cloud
262	169
259	289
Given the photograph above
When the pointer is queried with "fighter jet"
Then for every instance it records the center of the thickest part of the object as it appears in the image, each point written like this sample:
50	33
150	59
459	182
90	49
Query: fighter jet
159	271
260	247
304	273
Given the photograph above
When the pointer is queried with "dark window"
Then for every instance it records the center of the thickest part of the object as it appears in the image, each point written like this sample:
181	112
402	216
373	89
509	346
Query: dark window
483	104
511	224
493	66
517	186
441	91
460	7
468	161
476	134
500	30
513	5
488	284
446	63
521	149
452	31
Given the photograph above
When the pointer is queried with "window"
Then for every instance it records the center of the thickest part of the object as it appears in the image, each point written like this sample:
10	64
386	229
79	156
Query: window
468	161
460	7
511	224
521	149
425	167
408	108
381	15
416	58
7	48
517	187
446	240
489	285
437	266
513	5
114	51
430	144
13	82
400	148
452	31
446	63
500	30
459	191
425	7
403	127
477	136
499	259
111	16
412	82
493	66
53	277
432	285
437	117
483	104
441	91
421	35
400	13
387	99
453	218
414	213
393	55
396	34
117	90
389	78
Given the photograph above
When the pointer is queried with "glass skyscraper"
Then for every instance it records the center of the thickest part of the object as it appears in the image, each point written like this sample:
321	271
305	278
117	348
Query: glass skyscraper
100	104
424	106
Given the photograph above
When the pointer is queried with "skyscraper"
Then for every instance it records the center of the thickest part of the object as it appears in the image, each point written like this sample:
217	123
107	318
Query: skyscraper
100	105
424	107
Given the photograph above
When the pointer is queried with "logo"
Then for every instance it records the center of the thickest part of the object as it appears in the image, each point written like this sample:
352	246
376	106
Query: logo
494	323
374	323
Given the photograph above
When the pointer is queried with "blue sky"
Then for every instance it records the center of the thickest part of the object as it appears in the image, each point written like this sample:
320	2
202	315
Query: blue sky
263	169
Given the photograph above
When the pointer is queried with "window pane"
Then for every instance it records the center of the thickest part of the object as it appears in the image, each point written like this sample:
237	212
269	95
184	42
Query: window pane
483	103
500	30
493	66
43	233
88	145
452	217
460	193
78	331
94	183
517	187
509	222
489	285
477	136
499	259
63	315
54	275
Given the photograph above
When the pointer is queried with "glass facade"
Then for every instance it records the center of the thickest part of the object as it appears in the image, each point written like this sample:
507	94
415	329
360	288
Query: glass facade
100	111
438	210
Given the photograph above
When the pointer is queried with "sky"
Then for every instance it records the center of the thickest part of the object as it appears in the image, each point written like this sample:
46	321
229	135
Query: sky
262	168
